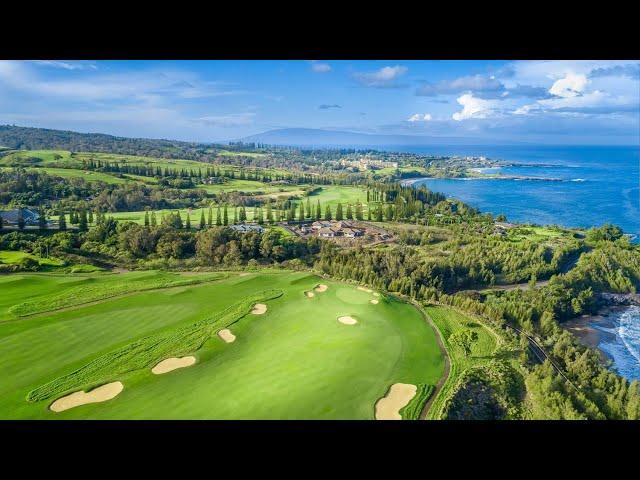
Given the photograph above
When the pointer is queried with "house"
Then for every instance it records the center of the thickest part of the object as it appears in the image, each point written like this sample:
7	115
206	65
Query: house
328	232
306	229
244	228
10	217
317	225
352	232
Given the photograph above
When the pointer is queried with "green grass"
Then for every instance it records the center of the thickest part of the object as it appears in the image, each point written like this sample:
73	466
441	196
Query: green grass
294	362
10	257
100	288
449	321
413	409
148	351
334	194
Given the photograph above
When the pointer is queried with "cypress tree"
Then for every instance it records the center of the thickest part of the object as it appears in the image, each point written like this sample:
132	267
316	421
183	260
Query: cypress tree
301	217
339	212
318	211
243	215
154	221
90	216
327	213
235	213
188	225
210	216
379	214
218	217
42	219
82	221
309	212
269	213
349	212
21	223
203	223
146	219
369	212
62	222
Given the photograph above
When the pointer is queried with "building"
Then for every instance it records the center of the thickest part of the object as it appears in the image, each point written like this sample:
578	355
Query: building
352	232
10	217
329	232
245	228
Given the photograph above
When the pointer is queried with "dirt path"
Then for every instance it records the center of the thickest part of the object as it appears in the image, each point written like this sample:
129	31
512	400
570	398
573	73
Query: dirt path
447	366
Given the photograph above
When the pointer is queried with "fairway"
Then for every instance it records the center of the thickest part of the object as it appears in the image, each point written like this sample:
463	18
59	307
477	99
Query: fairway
290	357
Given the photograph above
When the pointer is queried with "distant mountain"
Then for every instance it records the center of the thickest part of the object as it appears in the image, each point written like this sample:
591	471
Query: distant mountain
309	137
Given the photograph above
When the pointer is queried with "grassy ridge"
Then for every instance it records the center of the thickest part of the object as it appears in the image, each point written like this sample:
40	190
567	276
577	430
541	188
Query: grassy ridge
100	291
449	321
148	351
413	409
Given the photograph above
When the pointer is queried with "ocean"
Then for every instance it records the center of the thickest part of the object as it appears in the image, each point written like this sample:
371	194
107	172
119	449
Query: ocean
597	184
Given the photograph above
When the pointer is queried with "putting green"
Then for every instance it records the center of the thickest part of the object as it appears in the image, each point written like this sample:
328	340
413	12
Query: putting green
296	361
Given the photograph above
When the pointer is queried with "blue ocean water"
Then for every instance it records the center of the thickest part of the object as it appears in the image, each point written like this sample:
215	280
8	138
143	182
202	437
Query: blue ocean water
623	345
598	184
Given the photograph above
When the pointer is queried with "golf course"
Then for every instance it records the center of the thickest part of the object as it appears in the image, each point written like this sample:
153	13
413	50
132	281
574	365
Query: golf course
267	344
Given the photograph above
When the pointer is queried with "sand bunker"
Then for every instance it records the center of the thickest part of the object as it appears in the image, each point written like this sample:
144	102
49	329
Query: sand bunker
321	288
309	294
100	394
364	289
170	364
226	335
347	320
374	301
398	396
376	294
259	309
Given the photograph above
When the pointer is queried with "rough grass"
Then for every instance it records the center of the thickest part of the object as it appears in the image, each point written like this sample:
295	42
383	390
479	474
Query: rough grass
10	257
413	409
102	290
148	351
449	321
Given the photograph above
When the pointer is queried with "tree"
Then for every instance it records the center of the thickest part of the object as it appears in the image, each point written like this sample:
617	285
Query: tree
90	216
369	212
269	213
235	214
327	213
349	212
42	219
83	224
21	223
464	339
301	216
339	212
1	223
210	216
146	219
225	216
188	224
318	211
203	222
308	209
379	213
243	215
62	222
359	211
154	221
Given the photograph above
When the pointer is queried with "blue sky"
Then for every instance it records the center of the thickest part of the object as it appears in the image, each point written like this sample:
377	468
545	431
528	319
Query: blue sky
570	102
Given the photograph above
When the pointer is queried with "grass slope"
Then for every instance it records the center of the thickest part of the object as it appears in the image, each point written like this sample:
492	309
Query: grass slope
295	361
449	321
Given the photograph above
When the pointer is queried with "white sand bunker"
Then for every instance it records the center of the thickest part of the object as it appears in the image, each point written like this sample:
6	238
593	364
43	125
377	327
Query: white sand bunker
321	288
376	294
259	309
398	396
169	364
364	289
309	294
100	394
226	335
347	320
374	301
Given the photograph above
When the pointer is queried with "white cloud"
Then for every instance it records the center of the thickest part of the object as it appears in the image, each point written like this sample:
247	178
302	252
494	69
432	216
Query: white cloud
230	120
66	65
473	107
571	85
419	117
320	67
382	78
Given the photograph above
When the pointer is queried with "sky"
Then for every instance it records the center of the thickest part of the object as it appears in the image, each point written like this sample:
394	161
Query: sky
533	101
